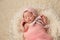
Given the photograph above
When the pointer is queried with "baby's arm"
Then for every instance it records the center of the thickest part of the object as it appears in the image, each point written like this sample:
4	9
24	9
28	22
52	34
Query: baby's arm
26	26
22	23
45	22
42	20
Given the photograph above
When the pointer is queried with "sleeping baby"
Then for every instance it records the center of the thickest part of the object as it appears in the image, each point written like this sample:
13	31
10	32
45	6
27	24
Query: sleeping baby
34	25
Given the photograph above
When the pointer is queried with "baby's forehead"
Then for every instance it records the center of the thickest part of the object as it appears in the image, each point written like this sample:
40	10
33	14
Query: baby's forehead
28	13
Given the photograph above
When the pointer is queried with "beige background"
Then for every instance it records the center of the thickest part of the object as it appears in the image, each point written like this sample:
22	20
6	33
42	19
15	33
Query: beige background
9	7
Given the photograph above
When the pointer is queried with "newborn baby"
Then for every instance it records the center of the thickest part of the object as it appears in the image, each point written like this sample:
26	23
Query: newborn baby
33	25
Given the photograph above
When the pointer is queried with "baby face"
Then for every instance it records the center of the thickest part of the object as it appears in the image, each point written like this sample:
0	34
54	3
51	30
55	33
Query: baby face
29	17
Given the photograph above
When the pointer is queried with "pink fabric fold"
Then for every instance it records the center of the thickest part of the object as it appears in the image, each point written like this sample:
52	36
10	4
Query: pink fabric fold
36	32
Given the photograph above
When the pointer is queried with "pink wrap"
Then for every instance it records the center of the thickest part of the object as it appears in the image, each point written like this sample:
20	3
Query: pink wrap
36	32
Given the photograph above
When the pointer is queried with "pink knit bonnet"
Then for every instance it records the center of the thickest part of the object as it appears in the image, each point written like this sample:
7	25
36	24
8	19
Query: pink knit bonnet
34	11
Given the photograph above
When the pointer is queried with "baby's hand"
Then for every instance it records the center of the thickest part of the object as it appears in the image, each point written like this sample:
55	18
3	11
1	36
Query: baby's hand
23	22
44	19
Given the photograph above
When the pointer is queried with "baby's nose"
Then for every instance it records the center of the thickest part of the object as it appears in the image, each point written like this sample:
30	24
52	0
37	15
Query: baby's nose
28	17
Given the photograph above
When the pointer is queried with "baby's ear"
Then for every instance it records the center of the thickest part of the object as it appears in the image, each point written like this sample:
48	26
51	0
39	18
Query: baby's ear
44	19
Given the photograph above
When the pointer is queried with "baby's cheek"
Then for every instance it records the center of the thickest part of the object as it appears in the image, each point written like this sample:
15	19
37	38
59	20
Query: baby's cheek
32	18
